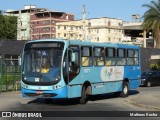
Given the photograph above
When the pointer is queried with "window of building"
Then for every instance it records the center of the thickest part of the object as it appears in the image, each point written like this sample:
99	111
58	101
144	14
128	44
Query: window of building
46	22
64	27
59	34
89	24
67	17
72	27
65	35
86	56
97	30
46	29
37	22
97	38
121	57
80	27
109	30
109	38
45	36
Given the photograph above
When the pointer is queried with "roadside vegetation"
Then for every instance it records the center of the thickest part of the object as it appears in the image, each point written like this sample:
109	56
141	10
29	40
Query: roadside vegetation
152	20
8	27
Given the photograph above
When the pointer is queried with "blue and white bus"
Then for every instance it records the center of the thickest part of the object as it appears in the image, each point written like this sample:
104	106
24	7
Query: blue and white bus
54	68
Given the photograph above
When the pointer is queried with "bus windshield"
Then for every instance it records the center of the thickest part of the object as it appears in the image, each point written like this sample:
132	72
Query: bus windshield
42	65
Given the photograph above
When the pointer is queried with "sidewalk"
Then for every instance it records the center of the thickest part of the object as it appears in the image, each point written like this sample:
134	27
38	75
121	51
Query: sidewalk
146	99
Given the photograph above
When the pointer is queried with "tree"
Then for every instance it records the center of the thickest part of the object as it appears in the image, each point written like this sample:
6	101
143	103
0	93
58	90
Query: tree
152	20
8	27
155	65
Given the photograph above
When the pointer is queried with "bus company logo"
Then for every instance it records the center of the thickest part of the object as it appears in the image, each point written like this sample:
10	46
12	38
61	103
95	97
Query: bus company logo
6	114
108	73
112	73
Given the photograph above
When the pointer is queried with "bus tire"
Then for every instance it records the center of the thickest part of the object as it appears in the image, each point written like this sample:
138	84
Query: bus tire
84	96
125	89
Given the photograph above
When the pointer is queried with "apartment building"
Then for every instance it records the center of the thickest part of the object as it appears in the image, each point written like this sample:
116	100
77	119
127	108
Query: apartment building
38	23
43	23
71	30
96	29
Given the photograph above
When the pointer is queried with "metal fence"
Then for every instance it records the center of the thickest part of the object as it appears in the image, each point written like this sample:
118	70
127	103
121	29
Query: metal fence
9	77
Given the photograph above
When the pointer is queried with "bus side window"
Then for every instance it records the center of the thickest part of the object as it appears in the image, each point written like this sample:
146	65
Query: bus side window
86	56
121	57
99	54
110	56
130	57
136	57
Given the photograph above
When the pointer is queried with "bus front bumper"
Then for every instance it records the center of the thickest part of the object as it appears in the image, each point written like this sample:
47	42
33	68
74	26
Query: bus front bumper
57	93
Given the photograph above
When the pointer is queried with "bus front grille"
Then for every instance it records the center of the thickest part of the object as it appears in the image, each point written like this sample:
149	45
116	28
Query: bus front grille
41	95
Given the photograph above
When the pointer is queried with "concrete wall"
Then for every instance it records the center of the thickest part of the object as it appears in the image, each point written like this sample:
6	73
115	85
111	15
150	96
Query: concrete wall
11	47
146	55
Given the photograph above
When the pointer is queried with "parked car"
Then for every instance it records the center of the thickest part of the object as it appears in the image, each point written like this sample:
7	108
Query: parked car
150	78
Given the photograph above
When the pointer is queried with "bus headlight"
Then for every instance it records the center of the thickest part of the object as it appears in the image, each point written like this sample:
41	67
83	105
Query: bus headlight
143	79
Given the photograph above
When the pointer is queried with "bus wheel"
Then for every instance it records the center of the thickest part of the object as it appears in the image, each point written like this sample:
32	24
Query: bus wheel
84	96
124	92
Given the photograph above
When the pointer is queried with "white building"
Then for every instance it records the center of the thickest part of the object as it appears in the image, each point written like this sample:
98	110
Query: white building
97	29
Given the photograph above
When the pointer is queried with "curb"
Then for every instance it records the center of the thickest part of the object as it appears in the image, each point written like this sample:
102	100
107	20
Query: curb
142	105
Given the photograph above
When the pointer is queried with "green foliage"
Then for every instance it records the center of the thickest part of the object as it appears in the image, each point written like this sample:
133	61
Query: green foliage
155	66
8	27
152	20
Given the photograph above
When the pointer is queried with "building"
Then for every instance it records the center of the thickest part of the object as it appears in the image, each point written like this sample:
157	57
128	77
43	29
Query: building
70	30
134	34
96	29
37	23
43	23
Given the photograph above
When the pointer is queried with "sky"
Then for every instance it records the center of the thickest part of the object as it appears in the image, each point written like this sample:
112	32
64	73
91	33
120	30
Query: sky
123	9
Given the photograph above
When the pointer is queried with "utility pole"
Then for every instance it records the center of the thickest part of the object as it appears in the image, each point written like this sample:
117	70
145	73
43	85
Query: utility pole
19	25
84	22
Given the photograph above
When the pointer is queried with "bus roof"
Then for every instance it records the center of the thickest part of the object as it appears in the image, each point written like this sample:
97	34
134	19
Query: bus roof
88	43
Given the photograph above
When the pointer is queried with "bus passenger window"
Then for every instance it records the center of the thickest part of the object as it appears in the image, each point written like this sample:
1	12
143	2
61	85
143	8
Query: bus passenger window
99	56
136	60
110	57
130	57
121	58
86	56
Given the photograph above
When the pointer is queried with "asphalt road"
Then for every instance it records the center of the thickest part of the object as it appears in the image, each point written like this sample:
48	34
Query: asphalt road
103	103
